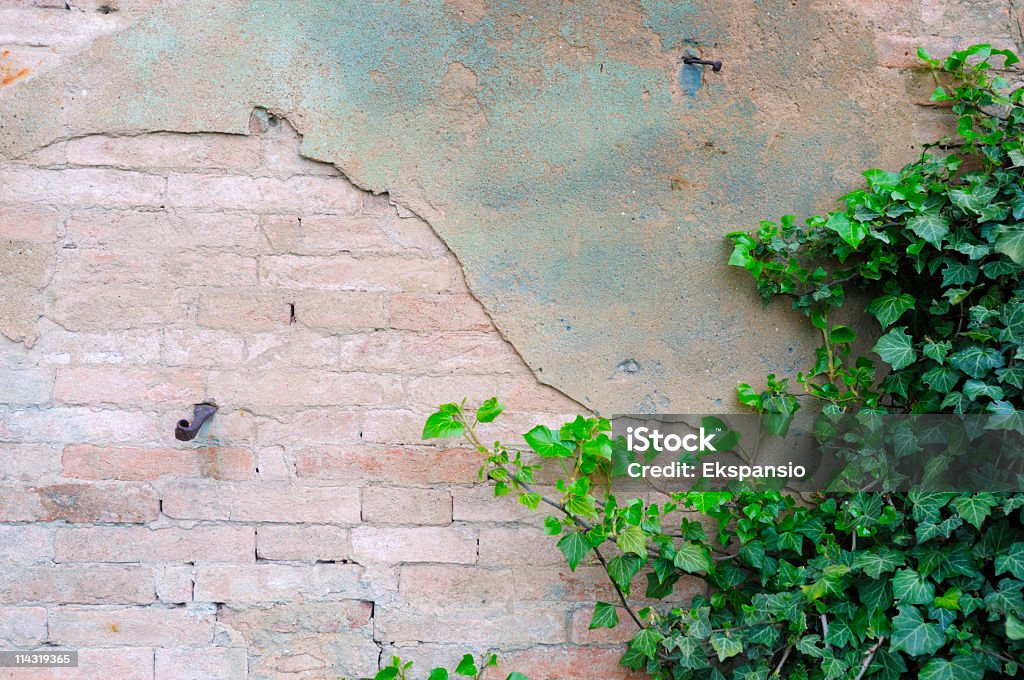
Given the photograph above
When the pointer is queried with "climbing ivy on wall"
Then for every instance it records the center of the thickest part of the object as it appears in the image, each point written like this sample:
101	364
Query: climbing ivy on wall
854	585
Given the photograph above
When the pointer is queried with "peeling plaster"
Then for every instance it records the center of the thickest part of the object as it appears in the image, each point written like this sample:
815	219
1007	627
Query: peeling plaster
549	144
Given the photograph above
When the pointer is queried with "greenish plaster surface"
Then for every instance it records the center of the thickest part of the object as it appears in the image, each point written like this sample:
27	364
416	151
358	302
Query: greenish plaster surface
549	144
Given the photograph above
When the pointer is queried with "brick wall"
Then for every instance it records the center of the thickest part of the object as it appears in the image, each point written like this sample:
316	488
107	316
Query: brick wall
309	531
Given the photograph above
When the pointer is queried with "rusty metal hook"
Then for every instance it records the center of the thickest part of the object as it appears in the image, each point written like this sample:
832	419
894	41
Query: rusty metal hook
186	431
715	65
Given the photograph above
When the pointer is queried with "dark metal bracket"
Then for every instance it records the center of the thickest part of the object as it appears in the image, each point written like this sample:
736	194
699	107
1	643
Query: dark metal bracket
186	431
715	65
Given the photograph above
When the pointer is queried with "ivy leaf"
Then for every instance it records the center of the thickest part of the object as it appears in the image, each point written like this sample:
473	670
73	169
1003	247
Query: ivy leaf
467	667
958	668
932	227
874	564
896	348
693	557
443	423
1012	316
974	508
604	616
1012	561
622	569
1010	242
912	635
438	674
937	350
1014	628
389	673
910	587
726	645
976	388
850	231
489	410
976	361
575	547
889	308
646	642
958	274
542	440
632	539
941	378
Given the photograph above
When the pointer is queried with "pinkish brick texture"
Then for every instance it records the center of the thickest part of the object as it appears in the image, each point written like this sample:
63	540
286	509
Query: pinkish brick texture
307	533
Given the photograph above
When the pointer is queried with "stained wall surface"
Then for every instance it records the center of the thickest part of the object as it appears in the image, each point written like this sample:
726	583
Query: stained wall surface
557	186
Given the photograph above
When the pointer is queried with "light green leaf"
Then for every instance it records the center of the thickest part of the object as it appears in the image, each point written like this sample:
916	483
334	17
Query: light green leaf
726	645
604	616
632	540
932	227
443	424
489	410
1010	242
692	557
896	348
542	440
850	231
438	674
889	308
467	666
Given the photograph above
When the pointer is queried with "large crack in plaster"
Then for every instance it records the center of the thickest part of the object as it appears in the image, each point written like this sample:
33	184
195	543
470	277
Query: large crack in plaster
551	147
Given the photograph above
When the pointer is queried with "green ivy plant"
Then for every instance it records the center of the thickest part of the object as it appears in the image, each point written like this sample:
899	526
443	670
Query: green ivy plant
855	585
468	668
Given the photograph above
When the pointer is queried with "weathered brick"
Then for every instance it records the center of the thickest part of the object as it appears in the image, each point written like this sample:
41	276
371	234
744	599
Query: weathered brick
565	662
85	308
302	543
131	463
430	353
107	267
424	465
270	310
278	583
389	505
32	224
273	464
312	426
74	626
298	195
166	150
445	586
110	385
324	234
29	462
529	624
174	583
123	663
201	347
438	312
455	545
561	584
504	546
25	545
26	385
293	346
57	346
413	233
172	544
78	584
262	502
64	424
266	391
173	232
104	502
81	188
22	627
199	663
361	273
339	311
478	504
